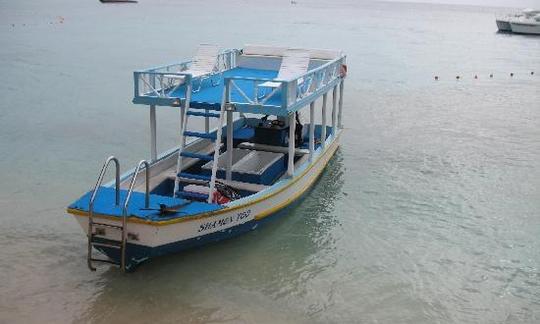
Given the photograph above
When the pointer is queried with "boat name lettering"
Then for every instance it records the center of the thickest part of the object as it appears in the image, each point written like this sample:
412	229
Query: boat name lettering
224	221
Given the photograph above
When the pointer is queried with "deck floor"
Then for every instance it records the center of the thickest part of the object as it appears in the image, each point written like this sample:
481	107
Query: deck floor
210	94
105	205
105	202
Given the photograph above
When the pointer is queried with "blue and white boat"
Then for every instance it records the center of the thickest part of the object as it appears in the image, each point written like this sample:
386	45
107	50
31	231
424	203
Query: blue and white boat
223	181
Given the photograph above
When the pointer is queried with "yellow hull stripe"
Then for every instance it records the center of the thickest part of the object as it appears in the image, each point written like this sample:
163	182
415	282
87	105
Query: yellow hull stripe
330	152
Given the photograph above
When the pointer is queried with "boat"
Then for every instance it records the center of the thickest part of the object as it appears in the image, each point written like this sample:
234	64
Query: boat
118	1
504	23
530	26
257	162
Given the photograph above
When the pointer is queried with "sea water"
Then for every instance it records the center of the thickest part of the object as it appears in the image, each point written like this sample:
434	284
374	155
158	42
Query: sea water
429	212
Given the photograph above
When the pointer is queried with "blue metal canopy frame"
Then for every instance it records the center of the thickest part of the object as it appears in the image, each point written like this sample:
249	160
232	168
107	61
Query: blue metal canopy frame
167	86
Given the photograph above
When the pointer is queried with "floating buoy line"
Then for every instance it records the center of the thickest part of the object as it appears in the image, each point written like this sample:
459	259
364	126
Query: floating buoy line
476	77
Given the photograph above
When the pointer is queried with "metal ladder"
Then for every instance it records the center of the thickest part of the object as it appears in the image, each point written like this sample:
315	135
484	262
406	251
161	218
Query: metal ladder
92	235
186	111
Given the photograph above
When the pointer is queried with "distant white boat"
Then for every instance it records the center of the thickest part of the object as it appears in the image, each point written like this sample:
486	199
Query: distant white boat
526	25
118	1
504	23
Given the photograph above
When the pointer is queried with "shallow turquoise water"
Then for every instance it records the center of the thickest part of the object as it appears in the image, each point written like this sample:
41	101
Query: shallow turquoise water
430	211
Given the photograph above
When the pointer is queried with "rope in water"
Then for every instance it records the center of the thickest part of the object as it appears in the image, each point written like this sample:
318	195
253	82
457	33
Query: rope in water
491	76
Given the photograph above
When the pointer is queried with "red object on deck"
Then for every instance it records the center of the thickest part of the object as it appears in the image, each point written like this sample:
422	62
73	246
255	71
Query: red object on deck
343	70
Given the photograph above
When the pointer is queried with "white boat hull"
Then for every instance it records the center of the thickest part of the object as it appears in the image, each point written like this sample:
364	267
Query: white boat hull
503	25
525	28
147	239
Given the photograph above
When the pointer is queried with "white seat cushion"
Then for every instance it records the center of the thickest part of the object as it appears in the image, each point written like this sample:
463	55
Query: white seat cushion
267	50
293	65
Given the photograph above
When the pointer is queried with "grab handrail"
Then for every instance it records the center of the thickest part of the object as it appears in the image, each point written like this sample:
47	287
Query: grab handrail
126	204
152	82
93	198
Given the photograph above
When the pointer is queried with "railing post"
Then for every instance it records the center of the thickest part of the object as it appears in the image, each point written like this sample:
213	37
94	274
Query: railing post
285	89
229	144
153	135
340	114
292	130
126	205
323	121
334	111
224	103
206	122
183	121
117	182
147	180
93	198
311	130
153	82
136	84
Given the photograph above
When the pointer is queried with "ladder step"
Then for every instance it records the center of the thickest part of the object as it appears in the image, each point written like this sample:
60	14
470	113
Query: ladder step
203	114
201	135
206	107
107	225
195	195
205	157
193	176
108	245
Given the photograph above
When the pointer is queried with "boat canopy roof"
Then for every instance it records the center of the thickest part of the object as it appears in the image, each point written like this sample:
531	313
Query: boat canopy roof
261	79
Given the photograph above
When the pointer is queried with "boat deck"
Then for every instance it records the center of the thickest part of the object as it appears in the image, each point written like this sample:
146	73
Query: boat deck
105	200
105	205
209	96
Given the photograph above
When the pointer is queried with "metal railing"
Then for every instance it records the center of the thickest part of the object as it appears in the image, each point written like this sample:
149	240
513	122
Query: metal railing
163	81
289	93
126	205
93	198
256	96
317	78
